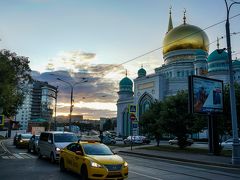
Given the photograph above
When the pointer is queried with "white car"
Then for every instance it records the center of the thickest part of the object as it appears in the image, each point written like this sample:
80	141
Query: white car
227	145
134	139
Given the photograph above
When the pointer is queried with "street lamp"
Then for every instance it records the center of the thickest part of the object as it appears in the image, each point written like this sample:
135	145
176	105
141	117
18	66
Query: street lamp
236	145
71	100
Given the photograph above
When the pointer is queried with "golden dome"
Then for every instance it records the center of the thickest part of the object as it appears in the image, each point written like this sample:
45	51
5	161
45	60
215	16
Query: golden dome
185	36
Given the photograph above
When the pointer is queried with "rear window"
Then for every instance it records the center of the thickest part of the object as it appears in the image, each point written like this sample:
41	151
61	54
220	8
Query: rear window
26	136
44	136
65	138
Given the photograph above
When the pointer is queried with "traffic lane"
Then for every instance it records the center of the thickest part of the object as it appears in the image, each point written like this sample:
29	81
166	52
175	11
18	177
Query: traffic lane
29	169
151	168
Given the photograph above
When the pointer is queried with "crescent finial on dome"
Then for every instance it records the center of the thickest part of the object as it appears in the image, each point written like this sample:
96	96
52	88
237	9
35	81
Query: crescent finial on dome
184	16
217	43
126	73
170	24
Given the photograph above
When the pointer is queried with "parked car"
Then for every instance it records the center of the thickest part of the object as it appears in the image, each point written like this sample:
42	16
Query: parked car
33	143
22	140
50	143
175	141
227	145
108	140
135	140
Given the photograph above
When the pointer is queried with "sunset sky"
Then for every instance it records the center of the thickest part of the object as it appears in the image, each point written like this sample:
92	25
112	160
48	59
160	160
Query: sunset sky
100	39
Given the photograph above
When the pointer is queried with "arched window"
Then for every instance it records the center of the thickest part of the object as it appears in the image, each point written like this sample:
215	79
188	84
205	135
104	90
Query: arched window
144	104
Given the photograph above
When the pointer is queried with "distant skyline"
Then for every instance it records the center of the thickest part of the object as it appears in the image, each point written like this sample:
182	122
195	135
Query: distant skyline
97	40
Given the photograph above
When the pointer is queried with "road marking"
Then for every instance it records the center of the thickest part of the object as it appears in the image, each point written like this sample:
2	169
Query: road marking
5	157
18	156
145	175
27	155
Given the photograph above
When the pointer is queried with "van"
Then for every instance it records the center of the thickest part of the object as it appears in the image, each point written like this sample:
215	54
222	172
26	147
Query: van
50	143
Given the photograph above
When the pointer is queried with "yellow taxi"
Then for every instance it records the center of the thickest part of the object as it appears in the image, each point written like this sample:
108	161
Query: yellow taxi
93	160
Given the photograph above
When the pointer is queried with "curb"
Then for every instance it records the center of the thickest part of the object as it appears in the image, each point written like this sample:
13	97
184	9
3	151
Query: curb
181	159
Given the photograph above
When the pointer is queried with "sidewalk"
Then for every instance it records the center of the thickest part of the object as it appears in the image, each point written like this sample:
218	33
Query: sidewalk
179	156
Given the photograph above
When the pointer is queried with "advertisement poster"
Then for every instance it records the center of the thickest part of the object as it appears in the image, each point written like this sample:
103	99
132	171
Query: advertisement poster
207	95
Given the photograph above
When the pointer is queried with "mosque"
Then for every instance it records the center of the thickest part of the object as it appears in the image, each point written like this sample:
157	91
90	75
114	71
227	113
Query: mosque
185	52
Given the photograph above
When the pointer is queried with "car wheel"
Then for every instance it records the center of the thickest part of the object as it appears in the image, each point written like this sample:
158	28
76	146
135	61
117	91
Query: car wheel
84	173
29	149
39	154
34	149
52	159
62	166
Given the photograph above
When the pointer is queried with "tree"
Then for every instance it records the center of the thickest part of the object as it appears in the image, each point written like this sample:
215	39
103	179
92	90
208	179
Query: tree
227	122
108	125
150	122
171	116
177	120
15	74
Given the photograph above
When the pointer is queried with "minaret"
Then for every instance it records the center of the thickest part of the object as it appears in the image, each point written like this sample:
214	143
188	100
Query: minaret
170	24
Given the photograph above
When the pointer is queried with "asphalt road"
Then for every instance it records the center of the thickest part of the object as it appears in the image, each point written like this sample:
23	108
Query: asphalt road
18	164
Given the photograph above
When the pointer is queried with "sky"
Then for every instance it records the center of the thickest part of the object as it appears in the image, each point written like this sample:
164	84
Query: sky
100	39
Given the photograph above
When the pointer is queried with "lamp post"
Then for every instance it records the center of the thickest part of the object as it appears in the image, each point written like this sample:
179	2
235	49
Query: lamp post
71	97
55	118
236	145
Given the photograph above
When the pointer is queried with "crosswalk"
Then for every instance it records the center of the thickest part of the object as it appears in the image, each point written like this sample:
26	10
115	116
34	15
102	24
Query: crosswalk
18	156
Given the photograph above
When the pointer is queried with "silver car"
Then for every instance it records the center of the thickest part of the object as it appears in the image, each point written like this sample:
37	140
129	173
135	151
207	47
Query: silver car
33	143
227	145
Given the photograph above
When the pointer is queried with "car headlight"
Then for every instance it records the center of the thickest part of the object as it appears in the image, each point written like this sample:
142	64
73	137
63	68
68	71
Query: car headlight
125	164
58	149
94	164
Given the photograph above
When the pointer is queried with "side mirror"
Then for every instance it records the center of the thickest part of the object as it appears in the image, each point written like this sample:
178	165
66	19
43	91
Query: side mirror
79	153
50	141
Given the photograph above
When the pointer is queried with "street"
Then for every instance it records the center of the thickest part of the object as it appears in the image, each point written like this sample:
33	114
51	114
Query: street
17	163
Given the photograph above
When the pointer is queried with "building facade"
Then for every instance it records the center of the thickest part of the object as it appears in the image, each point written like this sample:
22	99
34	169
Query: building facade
39	103
185	53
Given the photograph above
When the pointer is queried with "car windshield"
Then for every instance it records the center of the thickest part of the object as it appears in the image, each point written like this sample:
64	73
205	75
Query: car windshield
26	136
65	138
96	149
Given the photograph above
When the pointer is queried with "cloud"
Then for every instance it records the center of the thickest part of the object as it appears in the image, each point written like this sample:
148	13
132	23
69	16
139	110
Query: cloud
72	61
95	98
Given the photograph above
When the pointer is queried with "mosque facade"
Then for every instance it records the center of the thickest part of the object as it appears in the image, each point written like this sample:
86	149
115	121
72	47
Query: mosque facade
185	53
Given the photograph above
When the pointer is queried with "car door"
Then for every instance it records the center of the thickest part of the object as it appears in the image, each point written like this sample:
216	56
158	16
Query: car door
70	156
77	158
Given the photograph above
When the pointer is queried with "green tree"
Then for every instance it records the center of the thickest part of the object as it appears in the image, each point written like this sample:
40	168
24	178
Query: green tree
226	121
108	125
151	123
177	120
15	74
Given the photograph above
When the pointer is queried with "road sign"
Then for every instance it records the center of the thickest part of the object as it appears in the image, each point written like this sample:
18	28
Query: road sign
1	120
135	125
132	117
132	108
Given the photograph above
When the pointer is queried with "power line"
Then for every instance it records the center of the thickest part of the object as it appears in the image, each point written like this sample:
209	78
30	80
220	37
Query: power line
151	51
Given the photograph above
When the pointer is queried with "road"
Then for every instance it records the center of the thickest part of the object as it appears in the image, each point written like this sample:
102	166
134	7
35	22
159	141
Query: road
18	164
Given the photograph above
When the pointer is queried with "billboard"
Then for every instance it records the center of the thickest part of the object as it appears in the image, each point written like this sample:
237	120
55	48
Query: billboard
205	95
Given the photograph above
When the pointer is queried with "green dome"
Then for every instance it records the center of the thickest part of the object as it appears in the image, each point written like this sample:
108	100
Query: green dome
126	85
126	82
142	72
215	56
218	61
236	63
